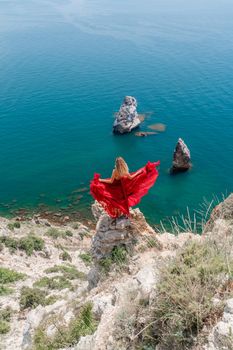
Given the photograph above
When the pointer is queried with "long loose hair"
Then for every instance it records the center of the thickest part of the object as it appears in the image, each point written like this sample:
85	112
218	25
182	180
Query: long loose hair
121	167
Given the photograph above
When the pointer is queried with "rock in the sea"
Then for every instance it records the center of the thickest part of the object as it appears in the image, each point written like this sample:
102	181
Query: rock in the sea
181	158
145	133
127	118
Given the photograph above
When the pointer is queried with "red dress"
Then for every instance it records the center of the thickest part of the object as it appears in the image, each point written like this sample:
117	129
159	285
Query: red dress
122	194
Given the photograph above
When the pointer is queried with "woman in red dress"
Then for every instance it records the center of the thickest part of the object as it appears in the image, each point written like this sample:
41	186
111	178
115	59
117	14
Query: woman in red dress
124	189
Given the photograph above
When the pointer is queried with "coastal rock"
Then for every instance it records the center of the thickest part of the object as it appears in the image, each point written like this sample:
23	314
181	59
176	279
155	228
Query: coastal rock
221	337
86	343
223	212
145	133
127	118
181	158
122	231
97	210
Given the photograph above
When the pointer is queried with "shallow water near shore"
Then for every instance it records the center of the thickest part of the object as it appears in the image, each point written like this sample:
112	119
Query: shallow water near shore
65	68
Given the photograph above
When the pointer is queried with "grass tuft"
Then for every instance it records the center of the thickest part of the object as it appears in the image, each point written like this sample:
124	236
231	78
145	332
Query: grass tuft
13	225
183	304
69	271
31	243
57	282
28	243
32	297
86	257
118	257
53	233
9	276
56	233
84	324
5	317
65	256
5	290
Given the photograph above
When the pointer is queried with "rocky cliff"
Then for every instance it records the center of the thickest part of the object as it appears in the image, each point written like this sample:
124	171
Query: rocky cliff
120	286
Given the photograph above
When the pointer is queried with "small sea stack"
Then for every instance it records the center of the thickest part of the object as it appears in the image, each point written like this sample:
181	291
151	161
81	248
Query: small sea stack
127	118
181	158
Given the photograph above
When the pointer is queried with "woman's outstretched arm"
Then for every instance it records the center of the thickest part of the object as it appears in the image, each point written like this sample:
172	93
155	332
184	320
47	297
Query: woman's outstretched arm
135	174
108	181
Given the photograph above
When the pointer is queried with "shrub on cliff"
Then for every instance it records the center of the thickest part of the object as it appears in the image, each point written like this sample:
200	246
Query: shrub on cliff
13	225
66	336
28	243
184	301
31	243
32	297
5	317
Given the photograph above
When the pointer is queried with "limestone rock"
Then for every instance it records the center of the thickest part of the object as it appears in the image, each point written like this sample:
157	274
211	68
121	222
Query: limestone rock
100	303
86	343
127	118
147	278
122	231
181	158
97	210
223	211
221	337
93	277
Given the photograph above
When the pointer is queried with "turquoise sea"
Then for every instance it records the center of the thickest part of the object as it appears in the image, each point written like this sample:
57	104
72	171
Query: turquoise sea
65	67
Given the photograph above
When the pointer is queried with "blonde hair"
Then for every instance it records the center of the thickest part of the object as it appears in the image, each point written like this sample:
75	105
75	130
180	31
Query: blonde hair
121	167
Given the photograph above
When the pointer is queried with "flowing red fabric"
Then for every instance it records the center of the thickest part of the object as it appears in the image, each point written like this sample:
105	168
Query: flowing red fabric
117	197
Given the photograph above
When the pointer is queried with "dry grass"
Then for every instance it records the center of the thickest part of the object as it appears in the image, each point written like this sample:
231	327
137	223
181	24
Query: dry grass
67	336
184	301
194	222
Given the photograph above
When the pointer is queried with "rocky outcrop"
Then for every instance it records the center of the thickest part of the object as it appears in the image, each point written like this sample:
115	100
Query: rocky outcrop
119	296
221	216
221	337
181	158
121	231
145	133
127	118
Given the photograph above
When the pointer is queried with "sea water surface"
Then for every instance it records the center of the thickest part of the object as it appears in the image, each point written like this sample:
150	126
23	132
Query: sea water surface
65	67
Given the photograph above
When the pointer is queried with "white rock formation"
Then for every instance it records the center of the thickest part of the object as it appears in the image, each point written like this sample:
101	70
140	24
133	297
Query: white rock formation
127	118
221	337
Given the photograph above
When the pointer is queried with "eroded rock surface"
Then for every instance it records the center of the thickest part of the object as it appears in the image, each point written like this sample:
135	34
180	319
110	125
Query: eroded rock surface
181	158
122	231
119	295
221	337
127	118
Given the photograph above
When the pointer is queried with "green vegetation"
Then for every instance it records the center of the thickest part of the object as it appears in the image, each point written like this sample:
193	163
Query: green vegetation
76	225
28	243
86	257
5	317
65	256
55	233
5	290
152	243
183	304
10	243
61	281
13	225
57	282
9	276
31	243
118	257
32	297
68	233
84	324
69	271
